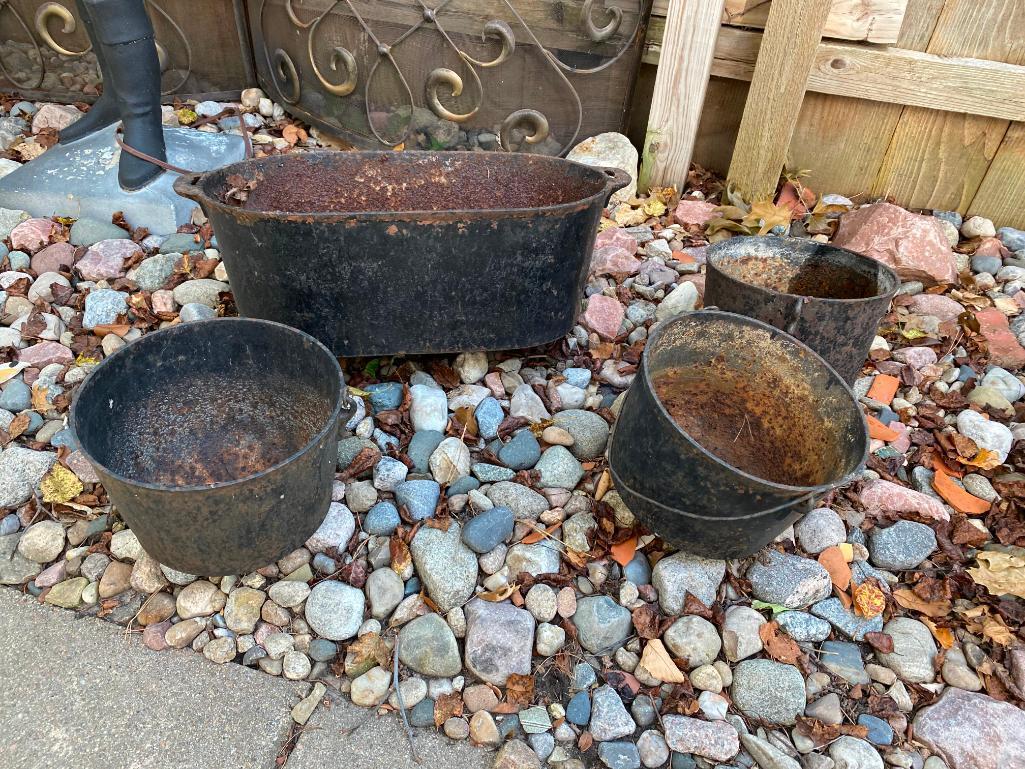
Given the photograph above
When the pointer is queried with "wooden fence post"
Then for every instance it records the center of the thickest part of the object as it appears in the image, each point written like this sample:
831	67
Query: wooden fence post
687	47
792	34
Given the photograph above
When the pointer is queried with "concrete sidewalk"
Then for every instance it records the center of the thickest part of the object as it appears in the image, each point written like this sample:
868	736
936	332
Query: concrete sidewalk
78	692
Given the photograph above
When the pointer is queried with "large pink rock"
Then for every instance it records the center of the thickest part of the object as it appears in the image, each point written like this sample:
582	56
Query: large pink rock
616	236
939	305
890	497
54	116
32	234
55	258
913	245
45	353
604	315
1004	349
105	259
973	731
609	260
694	212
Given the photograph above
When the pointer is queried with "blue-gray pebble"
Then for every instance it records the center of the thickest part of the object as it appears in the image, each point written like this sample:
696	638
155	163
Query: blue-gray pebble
382	519
484	532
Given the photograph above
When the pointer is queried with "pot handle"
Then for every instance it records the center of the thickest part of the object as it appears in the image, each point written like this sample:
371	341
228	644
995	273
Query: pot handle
615	179
188	186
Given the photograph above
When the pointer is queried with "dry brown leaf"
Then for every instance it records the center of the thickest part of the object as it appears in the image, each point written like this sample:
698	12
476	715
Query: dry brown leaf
881	642
401	558
585	741
447	706
780	647
656	660
646	621
941	634
1000	573
832	560
498	595
765	215
18	425
370	646
908	599
519	689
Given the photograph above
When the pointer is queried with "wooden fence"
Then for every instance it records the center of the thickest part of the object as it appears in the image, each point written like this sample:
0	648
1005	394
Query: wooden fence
919	100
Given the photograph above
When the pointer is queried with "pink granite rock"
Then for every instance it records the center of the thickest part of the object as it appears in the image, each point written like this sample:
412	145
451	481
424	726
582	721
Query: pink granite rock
973	731
939	305
105	259
694	212
51	575
162	300
916	357
153	636
1004	349
616	236
54	258
54	116
608	260
604	315
992	247
715	740
913	245
890	497
45	353
81	467
32	234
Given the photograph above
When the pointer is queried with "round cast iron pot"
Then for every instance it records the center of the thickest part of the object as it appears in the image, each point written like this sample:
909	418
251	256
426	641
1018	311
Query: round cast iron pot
830	298
771	427
216	440
387	253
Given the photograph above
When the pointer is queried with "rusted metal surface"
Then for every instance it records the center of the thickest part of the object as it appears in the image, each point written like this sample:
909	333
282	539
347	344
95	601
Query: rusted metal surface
730	431
379	253
216	440
830	298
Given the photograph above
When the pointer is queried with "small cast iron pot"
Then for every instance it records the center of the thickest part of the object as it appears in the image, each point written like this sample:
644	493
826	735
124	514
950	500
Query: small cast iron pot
216	440
830	298
386	253
770	428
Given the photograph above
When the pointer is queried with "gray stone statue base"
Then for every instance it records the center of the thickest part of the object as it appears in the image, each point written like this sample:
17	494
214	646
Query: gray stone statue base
80	179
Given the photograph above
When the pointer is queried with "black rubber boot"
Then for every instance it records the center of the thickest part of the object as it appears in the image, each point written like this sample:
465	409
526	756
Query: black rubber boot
126	35
104	111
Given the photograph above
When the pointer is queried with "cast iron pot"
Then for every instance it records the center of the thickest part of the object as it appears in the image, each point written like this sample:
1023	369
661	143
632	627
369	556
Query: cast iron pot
771	427
380	253
216	440
830	298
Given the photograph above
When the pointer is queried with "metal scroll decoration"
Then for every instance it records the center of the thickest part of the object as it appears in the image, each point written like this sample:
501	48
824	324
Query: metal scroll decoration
50	12
341	77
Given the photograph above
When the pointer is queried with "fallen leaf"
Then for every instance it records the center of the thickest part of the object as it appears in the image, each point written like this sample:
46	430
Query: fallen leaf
832	560
881	642
656	660
401	558
1000	573
604	484
869	600
585	741
822	733
774	607
19	425
117	329
369	647
909	600
646	622
539	534
519	689
10	370
780	647
447	706
501	594
39	399
987	459
941	634
955	496
623	552
765	215
60	485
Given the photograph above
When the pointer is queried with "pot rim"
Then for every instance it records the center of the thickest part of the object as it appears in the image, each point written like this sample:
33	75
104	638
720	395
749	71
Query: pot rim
796	491
714	254
199	325
192	187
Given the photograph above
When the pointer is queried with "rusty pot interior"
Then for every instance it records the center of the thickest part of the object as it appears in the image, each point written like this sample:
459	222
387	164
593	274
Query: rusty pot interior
802	269
757	400
207	404
360	182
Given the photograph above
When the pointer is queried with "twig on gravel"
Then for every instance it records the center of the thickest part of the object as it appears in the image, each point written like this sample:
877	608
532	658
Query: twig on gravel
402	704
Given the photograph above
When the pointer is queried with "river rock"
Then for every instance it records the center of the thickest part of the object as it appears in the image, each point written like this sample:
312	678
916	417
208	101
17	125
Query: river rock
200	599
524	502
589	431
767	690
973	731
609	717
536	559
987	433
852	753
447	567
904	545
335	610
499	640
610	150
740	633
788	580
820	529
602	624
428	646
694	639
42	542
682	573
242	609
715	740
913	650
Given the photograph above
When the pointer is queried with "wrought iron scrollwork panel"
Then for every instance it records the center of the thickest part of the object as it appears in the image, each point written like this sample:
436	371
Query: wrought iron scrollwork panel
392	72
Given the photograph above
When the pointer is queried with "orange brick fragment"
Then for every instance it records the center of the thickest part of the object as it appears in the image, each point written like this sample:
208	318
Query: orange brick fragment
883	388
879	431
956	497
